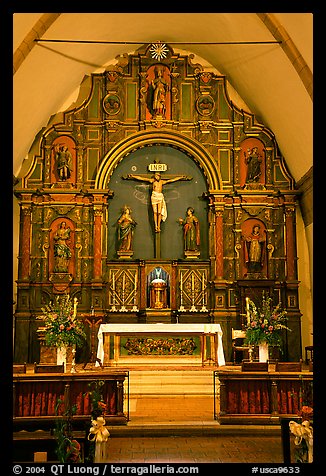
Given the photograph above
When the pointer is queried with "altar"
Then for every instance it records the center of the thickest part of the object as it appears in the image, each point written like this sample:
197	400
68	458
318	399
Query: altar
192	344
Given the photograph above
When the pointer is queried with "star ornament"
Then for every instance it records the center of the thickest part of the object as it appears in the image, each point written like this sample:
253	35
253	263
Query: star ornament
159	51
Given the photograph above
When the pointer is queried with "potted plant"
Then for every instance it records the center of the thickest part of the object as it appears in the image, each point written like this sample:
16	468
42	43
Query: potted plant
265	325
62	327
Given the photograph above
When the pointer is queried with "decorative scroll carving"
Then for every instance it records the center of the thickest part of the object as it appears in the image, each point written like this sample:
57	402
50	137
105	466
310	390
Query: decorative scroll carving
193	290
114	116
123	290
160	346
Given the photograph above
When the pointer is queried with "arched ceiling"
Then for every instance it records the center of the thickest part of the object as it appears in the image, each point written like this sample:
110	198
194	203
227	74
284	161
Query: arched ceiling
273	80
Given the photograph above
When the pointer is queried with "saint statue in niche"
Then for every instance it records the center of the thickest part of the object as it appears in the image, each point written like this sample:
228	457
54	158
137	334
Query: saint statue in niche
63	159
253	161
126	226
62	252
255	250
157	91
191	232
157	197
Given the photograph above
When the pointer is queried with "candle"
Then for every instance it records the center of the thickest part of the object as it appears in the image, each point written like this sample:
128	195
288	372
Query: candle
75	307
181	275
248	312
192	283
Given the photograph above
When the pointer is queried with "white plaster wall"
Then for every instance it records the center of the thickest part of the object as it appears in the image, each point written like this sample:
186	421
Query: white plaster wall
305	264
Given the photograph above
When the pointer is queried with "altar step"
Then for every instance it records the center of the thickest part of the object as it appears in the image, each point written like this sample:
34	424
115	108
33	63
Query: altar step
154	383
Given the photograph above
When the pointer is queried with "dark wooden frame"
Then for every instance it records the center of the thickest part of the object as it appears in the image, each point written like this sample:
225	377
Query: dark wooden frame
240	380
33	422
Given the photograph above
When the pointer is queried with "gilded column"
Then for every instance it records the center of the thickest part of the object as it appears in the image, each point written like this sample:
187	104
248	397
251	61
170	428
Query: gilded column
219	265
143	294
25	251
97	244
290	243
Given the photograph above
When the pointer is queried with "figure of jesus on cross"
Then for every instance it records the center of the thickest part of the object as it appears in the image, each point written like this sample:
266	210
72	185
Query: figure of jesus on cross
157	197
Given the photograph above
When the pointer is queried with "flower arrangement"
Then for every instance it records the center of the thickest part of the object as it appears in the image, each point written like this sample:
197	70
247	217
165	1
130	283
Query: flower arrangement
264	324
62	328
68	449
98	432
304	439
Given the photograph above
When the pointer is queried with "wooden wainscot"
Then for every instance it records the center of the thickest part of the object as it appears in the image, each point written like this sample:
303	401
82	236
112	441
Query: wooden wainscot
35	397
260	397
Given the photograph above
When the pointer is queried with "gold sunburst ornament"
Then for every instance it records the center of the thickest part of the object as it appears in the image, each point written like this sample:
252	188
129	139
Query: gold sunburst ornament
159	50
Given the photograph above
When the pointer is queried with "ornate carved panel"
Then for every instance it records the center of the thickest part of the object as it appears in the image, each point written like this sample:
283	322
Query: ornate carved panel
154	104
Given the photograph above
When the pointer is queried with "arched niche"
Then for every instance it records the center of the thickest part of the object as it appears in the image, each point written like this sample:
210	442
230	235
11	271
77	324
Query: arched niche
63	237
189	146
254	235
183	155
178	196
160	277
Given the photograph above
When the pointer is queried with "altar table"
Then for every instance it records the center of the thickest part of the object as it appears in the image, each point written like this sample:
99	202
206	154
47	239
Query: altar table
213	331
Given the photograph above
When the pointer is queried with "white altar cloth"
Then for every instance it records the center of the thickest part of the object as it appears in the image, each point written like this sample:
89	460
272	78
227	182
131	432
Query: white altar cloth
127	329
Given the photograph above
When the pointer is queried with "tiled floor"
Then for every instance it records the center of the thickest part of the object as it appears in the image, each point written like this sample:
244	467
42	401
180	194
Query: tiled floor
211	449
178	417
171	409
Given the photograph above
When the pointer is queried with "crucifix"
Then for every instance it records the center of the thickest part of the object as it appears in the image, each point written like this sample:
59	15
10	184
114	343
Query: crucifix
93	323
157	198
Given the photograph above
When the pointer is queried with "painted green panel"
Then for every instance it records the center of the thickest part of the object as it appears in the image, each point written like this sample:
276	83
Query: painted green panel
36	172
222	104
92	163
225	165
186	102
131	101
223	136
279	176
93	135
93	105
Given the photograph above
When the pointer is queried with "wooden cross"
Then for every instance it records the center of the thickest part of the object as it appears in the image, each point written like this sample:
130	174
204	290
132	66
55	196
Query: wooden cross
92	324
157	199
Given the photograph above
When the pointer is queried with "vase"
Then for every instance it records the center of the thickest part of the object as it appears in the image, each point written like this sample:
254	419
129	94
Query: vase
62	356
263	352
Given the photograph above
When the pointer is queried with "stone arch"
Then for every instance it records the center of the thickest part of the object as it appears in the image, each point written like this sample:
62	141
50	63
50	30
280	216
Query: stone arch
189	146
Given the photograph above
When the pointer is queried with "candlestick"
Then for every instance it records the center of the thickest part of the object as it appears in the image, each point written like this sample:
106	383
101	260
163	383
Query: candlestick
193	308
113	291
248	311
123	289
203	288
73	362
135	290
75	307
